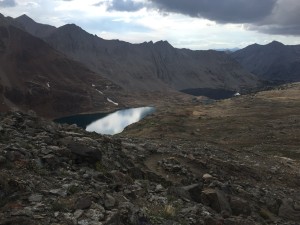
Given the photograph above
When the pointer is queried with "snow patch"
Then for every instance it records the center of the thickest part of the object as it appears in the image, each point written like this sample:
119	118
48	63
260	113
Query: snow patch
100	92
111	101
237	94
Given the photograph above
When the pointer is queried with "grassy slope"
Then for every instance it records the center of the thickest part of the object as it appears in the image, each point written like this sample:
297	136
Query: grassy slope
265	122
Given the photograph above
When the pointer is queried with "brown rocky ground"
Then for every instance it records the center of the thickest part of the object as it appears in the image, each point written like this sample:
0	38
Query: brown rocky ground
189	163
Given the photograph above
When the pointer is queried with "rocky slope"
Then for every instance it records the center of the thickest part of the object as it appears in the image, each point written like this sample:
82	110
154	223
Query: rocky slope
148	66
274	61
60	174
35	76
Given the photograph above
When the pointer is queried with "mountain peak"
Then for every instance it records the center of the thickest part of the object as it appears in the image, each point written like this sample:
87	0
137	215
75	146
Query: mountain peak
71	27
24	17
163	44
276	43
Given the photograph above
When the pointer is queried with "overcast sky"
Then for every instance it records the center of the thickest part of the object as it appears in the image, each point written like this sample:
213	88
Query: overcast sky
195	24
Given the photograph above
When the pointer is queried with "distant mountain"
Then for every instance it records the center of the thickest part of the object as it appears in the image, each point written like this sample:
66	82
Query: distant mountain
227	50
35	76
149	66
274	61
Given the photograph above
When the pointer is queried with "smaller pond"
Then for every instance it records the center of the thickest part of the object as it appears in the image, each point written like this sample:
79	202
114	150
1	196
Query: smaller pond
108	123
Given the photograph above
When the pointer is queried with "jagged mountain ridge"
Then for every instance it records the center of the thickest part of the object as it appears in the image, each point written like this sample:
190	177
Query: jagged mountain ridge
35	76
274	61
149	66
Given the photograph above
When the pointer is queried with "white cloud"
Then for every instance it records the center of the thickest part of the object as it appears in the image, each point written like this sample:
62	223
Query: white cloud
143	25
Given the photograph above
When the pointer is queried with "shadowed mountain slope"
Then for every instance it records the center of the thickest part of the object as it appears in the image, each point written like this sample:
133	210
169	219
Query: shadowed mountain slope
149	66
34	28
35	76
274	61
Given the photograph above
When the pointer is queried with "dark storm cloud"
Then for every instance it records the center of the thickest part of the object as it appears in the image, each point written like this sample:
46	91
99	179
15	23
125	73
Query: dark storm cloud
284	19
124	5
223	11
266	16
278	29
8	3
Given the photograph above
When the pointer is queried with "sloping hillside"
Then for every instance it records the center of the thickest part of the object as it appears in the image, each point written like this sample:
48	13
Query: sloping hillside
35	76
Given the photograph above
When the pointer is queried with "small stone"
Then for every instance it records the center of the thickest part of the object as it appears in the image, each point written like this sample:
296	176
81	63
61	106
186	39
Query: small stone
83	222
35	198
159	188
98	207
109	201
86	176
94	215
38	217
78	213
60	192
207	177
83	203
46	151
112	218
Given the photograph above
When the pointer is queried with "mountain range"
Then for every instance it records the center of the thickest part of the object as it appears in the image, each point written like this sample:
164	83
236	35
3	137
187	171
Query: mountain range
66	70
146	66
274	61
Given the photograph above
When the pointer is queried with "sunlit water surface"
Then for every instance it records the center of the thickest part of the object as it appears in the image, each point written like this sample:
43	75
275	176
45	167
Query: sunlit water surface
115	122
110	124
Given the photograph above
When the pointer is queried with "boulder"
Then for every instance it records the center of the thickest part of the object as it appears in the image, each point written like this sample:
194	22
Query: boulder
287	210
109	201
83	203
216	200
195	191
191	192
84	153
239	206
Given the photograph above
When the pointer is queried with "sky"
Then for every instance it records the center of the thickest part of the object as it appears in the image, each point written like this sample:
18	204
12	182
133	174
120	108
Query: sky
194	24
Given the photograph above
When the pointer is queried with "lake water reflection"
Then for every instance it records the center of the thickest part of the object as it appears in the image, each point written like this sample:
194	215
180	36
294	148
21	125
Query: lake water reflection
112	123
115	122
